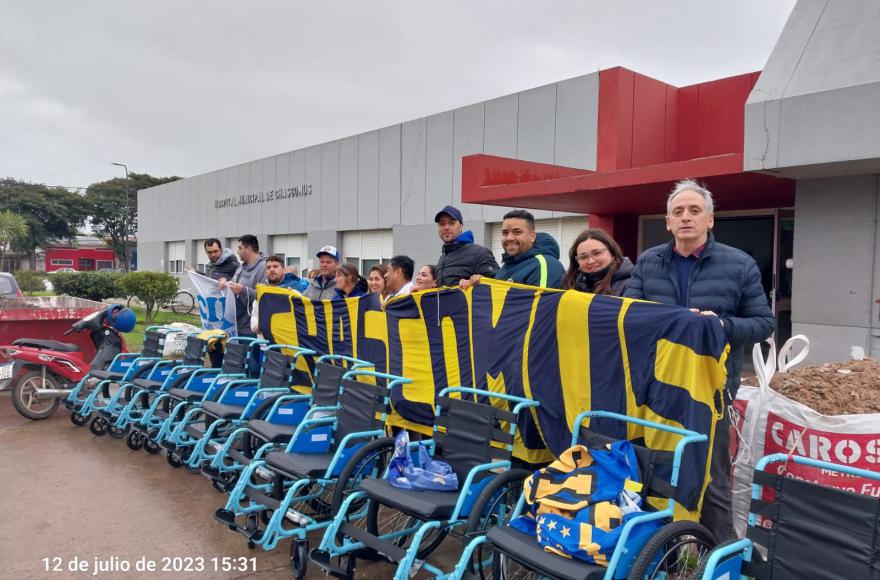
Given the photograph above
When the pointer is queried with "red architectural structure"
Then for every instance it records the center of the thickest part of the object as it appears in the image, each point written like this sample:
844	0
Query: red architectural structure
90	254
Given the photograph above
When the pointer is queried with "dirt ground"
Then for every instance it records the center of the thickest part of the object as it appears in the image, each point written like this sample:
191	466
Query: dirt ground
845	388
70	497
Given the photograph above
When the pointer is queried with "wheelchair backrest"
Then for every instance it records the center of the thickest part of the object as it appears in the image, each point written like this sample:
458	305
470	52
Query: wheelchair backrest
359	406
465	432
276	369
325	392
153	341
814	531
655	466
235	358
194	352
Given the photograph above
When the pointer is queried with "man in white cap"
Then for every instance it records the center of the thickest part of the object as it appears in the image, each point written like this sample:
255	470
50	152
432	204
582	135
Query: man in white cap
323	287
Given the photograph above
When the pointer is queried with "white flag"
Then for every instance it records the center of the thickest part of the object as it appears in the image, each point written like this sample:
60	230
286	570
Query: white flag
216	307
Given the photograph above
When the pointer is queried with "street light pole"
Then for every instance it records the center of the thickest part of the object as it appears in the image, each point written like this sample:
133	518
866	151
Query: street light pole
125	256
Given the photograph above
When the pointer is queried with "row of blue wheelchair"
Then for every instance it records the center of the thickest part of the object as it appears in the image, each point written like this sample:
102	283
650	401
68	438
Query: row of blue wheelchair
294	461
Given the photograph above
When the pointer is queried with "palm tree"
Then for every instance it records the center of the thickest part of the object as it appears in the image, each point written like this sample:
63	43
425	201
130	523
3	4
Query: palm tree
12	227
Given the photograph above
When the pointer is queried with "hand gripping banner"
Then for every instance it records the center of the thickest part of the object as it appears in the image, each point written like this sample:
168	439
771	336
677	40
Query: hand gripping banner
569	350
216	307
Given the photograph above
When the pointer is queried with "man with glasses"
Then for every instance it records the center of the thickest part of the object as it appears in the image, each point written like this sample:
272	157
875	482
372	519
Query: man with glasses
710	279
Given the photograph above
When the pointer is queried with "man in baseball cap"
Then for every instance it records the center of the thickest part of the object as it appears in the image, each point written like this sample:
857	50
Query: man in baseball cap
323	287
461	258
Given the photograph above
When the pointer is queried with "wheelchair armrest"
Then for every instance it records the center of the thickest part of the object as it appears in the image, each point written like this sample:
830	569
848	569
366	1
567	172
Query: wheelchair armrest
723	552
307	425
285	399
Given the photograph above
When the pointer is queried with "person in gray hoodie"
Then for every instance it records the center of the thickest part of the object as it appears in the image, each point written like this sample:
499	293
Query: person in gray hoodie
222	262
243	284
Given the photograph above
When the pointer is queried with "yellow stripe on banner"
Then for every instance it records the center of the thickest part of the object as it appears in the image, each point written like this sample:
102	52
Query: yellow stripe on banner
376	328
632	431
328	323
678	365
416	360
519	449
450	352
574	353
309	311
499	293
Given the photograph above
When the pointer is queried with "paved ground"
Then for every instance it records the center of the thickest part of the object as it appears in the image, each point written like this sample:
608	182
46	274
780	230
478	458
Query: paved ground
72	497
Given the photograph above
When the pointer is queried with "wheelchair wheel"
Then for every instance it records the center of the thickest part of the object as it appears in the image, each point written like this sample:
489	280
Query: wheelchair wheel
135	440
675	551
78	419
151	446
506	568
99	426
118	433
299	558
383	519
493	507
369	461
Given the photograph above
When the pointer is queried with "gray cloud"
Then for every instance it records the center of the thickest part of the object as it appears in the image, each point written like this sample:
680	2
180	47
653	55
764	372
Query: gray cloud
172	87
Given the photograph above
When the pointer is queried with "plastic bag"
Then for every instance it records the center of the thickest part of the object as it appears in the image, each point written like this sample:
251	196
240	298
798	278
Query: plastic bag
430	475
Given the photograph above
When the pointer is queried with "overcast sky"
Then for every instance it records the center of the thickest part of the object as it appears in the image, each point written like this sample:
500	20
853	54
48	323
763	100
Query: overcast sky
174	87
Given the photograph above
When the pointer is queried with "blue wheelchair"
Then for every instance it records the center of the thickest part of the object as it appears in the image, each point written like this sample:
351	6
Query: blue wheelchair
169	407
644	550
404	526
274	430
291	492
93	391
807	530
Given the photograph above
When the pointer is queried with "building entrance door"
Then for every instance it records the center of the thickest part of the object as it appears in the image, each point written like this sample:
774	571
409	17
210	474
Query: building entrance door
767	236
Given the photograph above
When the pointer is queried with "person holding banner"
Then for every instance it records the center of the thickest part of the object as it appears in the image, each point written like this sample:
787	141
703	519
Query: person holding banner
461	258
276	275
710	279
349	282
222	262
398	280
251	272
323	285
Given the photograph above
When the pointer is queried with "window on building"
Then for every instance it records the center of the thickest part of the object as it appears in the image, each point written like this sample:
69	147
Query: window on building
176	257
105	264
365	249
68	263
292	248
201	258
84	264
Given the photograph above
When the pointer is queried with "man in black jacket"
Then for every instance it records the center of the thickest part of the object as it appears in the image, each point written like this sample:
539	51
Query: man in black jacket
711	279
222	262
461	257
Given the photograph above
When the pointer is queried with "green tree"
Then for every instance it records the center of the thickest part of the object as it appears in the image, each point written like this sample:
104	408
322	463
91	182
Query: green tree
151	288
13	228
52	213
30	281
113	208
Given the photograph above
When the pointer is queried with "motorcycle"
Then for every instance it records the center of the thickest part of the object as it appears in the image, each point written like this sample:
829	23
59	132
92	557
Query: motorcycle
43	372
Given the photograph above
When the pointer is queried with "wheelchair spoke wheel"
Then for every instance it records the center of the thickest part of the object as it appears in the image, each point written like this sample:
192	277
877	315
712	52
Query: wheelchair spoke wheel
118	433
383	519
506	568
493	507
675	552
78	420
151	446
99	426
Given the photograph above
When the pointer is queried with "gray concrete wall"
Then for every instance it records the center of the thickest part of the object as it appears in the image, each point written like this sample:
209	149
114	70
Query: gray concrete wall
836	277
395	176
813	111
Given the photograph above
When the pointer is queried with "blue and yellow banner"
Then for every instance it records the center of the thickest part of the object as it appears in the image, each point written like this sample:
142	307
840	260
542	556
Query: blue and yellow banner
569	350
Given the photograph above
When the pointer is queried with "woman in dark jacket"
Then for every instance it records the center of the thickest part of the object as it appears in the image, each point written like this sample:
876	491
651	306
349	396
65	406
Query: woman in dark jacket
596	265
349	283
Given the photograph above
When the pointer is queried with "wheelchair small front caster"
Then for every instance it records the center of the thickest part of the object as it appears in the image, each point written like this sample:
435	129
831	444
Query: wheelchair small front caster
299	558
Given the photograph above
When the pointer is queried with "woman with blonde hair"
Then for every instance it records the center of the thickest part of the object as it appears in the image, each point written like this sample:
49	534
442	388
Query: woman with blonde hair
596	265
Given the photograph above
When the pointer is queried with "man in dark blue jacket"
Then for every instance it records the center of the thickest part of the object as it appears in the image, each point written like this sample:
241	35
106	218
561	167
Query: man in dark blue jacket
711	279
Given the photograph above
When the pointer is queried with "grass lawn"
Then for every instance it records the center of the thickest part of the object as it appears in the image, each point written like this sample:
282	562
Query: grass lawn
135	338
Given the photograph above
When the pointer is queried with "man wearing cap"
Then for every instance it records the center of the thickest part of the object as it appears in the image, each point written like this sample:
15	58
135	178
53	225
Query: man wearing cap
461	258
323	287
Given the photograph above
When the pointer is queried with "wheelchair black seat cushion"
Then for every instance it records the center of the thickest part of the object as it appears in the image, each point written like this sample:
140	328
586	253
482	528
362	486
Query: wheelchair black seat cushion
525	549
300	465
106	375
186	394
148	384
272	432
427	505
222	411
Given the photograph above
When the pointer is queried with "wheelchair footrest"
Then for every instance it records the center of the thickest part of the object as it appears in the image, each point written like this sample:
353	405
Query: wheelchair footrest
264	500
388	549
168	445
226	517
211	471
321	559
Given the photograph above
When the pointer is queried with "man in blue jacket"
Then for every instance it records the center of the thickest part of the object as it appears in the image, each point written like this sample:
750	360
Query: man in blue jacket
711	279
529	257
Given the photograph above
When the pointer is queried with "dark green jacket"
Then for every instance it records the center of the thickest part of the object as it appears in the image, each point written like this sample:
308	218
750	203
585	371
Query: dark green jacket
539	266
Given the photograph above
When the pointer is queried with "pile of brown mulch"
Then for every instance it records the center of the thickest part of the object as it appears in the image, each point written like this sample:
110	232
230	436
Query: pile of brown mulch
844	388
